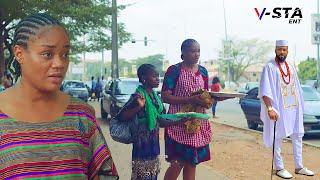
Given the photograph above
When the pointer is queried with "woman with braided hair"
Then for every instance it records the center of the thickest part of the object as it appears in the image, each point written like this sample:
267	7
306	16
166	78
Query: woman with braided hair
44	132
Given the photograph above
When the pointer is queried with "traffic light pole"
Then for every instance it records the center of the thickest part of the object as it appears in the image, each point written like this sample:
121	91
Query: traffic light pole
318	59
114	61
145	40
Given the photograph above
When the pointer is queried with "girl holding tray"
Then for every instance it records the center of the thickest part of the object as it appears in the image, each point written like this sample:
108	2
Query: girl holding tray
185	149
148	107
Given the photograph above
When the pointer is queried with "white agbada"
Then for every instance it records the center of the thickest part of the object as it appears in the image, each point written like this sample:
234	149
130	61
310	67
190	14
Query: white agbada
286	100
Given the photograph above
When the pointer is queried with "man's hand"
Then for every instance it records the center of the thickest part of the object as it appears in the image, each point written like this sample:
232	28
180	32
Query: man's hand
273	115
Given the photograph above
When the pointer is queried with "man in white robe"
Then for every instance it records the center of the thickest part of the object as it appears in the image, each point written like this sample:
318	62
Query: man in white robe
282	103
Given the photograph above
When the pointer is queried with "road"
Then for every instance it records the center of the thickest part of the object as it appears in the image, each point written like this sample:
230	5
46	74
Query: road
229	112
121	154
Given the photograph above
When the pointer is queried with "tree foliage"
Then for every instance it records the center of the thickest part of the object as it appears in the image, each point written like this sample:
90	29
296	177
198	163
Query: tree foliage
126	67
88	23
156	60
307	69
246	53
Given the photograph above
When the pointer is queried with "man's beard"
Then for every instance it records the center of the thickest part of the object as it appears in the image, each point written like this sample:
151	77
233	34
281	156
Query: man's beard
281	59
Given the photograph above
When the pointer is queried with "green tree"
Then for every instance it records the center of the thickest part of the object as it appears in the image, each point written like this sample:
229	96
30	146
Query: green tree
91	18
125	68
93	69
246	53
307	69
156	60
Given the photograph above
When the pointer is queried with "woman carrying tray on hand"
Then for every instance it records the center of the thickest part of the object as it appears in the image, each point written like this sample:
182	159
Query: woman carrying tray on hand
185	150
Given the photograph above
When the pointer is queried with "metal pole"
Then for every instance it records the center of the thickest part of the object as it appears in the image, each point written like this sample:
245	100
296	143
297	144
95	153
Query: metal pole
102	61
318	68
84	59
114	63
225	21
229	78
225	29
318	59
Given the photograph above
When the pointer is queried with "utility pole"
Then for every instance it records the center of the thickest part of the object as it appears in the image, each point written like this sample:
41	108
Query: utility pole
114	61
318	59
84	59
102	63
225	28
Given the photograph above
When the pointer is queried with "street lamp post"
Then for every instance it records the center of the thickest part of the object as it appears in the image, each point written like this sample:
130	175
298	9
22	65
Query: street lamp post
225	28
318	59
102	63
84	59
114	31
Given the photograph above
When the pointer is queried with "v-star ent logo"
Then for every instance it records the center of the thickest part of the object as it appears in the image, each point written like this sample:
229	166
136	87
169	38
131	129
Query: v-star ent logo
294	14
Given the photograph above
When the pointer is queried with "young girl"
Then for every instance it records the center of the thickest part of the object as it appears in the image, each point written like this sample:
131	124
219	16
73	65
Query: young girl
184	150
215	87
146	150
45	133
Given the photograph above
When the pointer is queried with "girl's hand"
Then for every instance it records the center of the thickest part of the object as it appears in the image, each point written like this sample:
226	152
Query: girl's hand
141	100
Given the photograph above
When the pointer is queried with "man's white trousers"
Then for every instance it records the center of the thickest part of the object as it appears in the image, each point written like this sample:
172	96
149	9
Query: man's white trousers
297	151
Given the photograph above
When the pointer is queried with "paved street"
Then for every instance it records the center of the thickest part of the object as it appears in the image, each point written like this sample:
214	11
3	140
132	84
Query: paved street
123	159
224	139
230	112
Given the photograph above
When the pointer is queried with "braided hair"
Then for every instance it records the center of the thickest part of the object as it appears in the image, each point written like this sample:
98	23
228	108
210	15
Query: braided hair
186	44
144	69
24	31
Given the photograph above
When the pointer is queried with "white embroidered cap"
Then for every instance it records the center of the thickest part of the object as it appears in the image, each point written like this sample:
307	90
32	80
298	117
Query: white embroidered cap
282	43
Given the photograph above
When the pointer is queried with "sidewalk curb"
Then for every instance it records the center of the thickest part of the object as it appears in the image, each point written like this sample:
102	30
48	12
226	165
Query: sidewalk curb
254	131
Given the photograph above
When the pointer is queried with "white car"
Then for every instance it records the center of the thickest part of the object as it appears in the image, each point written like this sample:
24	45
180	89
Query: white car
245	87
1	88
230	85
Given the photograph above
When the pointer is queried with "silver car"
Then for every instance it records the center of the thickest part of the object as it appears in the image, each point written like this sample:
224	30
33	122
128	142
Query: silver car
76	89
1	88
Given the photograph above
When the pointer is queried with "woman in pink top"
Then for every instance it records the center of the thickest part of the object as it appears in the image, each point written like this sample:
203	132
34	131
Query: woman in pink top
184	150
215	87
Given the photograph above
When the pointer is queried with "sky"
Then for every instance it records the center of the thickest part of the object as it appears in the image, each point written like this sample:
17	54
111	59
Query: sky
168	22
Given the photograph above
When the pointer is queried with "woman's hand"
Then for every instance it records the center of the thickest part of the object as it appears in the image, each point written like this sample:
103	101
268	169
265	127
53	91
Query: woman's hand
196	99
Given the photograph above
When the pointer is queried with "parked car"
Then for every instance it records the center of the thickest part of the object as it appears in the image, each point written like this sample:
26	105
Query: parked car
75	88
311	117
245	87
88	85
116	93
230	85
312	83
1	88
